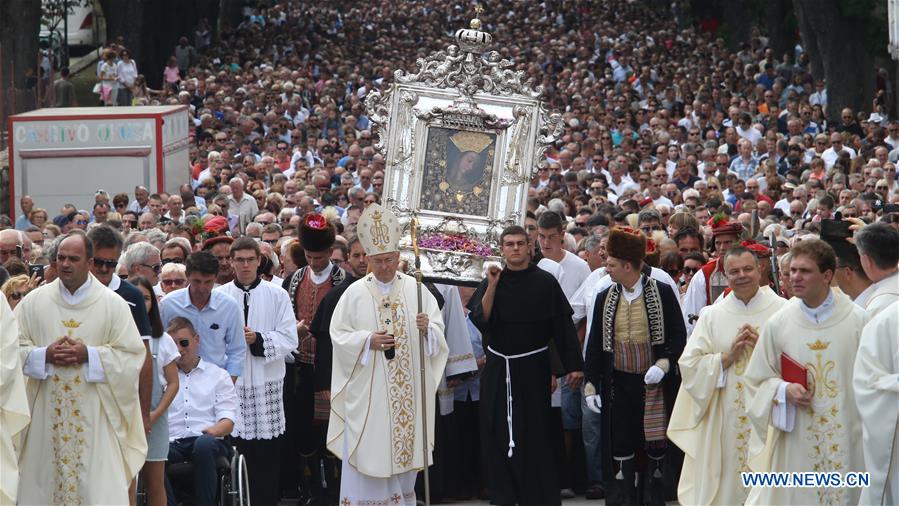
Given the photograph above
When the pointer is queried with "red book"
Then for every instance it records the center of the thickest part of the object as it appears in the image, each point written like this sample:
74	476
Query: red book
792	371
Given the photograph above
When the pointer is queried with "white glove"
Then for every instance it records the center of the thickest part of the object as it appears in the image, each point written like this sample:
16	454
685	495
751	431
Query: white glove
653	375
594	403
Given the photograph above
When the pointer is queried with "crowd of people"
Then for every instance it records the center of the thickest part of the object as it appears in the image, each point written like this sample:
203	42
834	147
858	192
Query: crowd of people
700	191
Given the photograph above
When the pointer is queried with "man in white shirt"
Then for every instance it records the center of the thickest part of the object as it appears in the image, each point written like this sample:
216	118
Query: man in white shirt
571	272
141	202
747	131
819	97
618	179
202	413
243	205
831	154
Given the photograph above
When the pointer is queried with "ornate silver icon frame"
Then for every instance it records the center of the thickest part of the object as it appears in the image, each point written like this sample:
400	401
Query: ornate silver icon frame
461	137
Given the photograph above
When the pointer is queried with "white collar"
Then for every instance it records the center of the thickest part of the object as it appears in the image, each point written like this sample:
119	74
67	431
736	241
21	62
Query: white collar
885	281
73	299
114	283
754	301
320	277
821	313
384	287
862	298
631	294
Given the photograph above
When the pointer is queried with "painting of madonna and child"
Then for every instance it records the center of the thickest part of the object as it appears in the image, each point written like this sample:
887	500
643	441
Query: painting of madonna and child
458	169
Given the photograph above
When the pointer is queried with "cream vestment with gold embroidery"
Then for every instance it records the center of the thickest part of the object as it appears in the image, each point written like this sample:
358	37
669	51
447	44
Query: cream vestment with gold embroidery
828	436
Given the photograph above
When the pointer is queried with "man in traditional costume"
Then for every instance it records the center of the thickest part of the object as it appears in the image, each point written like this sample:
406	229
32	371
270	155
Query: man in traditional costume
815	428
307	288
271	334
376	403
82	354
636	339
709	422
14	412
875	379
710	282
521	310
878	247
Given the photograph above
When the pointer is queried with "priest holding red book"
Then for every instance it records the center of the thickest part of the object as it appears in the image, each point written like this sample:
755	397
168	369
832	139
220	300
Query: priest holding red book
816	427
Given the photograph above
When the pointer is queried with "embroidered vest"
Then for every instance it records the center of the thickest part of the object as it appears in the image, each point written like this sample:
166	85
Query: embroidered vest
633	352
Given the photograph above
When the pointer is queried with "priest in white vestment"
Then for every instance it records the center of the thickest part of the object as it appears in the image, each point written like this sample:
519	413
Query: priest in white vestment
14	412
82	354
817	429
709	421
376	406
876	382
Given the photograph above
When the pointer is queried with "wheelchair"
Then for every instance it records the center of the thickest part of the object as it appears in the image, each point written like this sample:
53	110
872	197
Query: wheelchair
231	472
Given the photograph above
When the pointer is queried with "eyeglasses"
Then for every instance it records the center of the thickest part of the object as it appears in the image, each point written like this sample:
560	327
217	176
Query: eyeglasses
244	260
691	270
184	343
17	295
166	261
103	263
173	282
81	222
155	268
881	188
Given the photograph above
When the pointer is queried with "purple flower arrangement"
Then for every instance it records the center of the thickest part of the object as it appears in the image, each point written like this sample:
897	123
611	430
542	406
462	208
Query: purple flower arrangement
455	242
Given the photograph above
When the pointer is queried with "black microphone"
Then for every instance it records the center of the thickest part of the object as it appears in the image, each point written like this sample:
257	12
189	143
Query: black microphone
390	353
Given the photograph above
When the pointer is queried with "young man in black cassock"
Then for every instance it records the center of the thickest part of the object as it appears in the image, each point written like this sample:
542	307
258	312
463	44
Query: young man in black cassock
522	313
637	336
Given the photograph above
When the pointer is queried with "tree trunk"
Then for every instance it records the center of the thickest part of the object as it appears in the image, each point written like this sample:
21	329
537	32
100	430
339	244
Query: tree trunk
838	42
736	16
229	16
125	18
20	22
809	43
780	31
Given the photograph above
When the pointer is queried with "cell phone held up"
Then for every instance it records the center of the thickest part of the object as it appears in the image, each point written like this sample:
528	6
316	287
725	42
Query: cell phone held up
36	270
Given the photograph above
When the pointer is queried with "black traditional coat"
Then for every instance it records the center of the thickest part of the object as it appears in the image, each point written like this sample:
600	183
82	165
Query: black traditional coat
668	336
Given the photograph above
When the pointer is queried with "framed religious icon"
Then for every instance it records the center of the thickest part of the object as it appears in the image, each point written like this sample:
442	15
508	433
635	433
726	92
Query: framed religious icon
461	137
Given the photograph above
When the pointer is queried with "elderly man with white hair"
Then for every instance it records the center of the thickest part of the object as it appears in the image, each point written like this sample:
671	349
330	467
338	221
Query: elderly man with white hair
241	204
254	230
142	259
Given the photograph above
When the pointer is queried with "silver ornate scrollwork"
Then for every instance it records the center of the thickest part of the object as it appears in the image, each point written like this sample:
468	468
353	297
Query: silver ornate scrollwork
405	152
465	67
512	173
470	89
550	131
378	105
